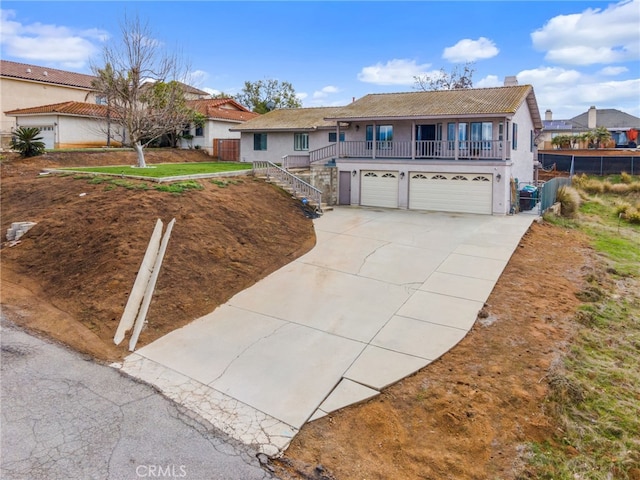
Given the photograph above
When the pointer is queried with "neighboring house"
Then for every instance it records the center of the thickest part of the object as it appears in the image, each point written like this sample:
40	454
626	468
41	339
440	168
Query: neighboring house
214	135
617	122
450	150
23	85
70	124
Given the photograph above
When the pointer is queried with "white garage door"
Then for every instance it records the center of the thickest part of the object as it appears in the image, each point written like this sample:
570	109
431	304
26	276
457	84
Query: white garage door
450	192
379	189
47	134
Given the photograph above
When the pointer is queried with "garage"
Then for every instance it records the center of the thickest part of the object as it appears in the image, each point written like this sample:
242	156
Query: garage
451	192
379	189
47	134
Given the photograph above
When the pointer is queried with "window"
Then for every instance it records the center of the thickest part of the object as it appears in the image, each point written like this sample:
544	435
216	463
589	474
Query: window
531	140
199	130
259	141
101	100
481	135
514	141
384	136
451	136
463	136
332	137
301	141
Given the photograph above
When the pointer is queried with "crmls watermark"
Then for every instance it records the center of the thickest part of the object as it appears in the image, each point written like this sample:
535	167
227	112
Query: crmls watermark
161	471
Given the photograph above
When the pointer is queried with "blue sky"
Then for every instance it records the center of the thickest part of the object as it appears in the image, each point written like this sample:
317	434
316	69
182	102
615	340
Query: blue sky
575	53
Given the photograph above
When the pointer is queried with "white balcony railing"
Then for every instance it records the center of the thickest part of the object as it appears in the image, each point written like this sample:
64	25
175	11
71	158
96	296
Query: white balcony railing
424	149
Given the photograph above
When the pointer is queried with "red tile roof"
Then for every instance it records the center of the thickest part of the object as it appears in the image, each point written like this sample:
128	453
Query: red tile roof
35	73
67	108
222	109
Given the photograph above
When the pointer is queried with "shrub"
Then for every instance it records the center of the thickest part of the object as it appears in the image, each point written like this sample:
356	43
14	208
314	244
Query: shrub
625	177
569	199
27	142
632	216
622	208
618	188
591	185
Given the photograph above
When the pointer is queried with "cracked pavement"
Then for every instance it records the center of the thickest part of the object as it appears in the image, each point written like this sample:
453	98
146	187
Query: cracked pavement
66	417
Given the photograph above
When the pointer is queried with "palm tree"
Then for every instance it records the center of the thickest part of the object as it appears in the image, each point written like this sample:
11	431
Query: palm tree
27	142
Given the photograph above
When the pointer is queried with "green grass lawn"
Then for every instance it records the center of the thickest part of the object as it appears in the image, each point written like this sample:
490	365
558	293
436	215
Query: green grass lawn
161	170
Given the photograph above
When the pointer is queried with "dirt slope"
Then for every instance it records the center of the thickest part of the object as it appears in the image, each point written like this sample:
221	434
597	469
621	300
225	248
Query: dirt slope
72	273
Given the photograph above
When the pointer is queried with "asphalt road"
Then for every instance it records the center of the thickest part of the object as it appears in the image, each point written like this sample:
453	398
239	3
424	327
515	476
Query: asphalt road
65	416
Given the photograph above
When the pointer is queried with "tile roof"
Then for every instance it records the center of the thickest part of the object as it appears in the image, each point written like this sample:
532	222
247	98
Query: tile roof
441	103
67	108
291	119
222	109
35	73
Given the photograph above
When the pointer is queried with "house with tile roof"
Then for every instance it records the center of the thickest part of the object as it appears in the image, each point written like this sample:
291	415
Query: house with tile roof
450	150
84	125
69	113
213	135
71	124
24	85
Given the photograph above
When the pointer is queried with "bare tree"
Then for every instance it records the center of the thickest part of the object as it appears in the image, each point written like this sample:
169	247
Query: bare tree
139	81
443	80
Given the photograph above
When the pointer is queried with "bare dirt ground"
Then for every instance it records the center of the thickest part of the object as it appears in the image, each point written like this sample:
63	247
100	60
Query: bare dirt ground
71	275
465	416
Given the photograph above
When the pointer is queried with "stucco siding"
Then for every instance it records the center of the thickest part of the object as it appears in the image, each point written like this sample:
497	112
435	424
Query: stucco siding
523	156
24	94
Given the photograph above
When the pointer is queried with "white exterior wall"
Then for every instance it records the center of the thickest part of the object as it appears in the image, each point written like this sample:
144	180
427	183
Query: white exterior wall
82	132
213	129
24	94
522	157
71	131
279	144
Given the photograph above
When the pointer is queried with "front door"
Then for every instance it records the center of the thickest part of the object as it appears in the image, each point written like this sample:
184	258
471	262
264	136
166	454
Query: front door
425	140
344	186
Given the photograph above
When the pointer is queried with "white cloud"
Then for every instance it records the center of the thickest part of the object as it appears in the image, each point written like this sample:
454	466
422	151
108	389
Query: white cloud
325	91
613	71
196	78
488	81
394	72
468	50
593	36
51	44
569	93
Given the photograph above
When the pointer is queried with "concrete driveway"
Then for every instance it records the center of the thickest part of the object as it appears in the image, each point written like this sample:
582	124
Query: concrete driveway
381	295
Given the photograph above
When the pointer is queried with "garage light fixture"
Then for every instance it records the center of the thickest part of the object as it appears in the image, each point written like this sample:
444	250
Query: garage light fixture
498	177
354	173
401	175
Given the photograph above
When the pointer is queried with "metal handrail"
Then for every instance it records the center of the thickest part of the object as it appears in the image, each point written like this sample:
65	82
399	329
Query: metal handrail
290	182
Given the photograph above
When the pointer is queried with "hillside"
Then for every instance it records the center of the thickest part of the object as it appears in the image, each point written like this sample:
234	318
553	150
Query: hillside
70	276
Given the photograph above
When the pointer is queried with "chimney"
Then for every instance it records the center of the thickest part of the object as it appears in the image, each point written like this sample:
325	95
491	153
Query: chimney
591	117
548	115
510	81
